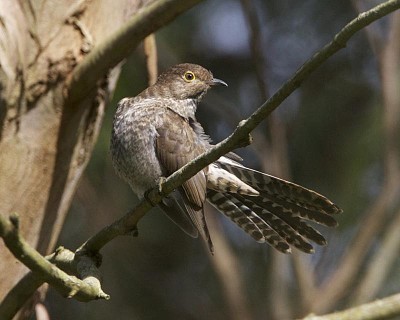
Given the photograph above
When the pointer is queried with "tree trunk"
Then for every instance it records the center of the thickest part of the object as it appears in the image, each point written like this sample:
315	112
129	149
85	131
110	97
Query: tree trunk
44	143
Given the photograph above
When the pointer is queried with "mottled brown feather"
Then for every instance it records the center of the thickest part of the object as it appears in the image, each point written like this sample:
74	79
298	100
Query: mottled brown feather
176	146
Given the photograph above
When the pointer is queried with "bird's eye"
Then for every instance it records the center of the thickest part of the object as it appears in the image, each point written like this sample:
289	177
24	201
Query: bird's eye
189	76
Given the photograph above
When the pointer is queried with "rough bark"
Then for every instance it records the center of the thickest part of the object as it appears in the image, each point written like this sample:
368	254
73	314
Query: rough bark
45	144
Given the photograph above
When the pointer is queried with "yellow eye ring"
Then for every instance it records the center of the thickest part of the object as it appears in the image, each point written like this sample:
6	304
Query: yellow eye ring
189	76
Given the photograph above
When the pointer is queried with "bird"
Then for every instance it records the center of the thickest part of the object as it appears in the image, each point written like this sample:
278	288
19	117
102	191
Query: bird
156	132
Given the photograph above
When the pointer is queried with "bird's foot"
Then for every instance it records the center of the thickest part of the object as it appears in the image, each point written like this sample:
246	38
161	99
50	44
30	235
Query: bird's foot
147	194
247	139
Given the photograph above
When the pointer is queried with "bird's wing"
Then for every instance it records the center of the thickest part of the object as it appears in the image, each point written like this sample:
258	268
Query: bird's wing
176	145
173	206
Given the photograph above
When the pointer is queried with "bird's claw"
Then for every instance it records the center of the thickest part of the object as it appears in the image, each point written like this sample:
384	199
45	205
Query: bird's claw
160	184
160	191
148	199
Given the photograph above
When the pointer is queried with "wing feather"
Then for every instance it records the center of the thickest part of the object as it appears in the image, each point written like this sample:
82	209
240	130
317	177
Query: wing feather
176	145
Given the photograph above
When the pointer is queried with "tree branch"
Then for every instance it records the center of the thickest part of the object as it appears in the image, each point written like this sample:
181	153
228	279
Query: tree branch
44	271
386	308
120	45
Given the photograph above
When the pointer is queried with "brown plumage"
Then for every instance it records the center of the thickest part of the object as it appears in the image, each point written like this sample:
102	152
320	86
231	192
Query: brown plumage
156	133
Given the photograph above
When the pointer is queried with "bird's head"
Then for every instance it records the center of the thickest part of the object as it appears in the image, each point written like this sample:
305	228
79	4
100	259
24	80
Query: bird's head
187	81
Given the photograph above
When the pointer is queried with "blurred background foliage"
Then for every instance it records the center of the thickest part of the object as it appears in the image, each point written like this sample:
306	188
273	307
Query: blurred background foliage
333	142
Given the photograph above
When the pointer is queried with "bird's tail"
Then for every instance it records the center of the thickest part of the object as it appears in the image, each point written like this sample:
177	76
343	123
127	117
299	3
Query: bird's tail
279	214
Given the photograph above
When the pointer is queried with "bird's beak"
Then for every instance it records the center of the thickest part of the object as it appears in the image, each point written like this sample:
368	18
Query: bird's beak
215	82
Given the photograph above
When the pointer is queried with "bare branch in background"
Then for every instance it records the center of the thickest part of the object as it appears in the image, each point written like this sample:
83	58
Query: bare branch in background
18	295
41	312
338	285
256	46
305	276
150	51
380	265
390	63
227	267
266	150
273	153
342	280
385	257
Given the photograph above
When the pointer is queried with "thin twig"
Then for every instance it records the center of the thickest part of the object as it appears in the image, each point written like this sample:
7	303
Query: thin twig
387	308
122	226
372	32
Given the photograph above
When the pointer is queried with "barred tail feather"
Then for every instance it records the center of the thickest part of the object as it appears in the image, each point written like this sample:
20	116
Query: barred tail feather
287	232
290	218
293	195
282	208
247	220
296	209
238	213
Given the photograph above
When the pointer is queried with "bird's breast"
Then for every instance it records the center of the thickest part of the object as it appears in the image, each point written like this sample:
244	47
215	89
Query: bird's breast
132	144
